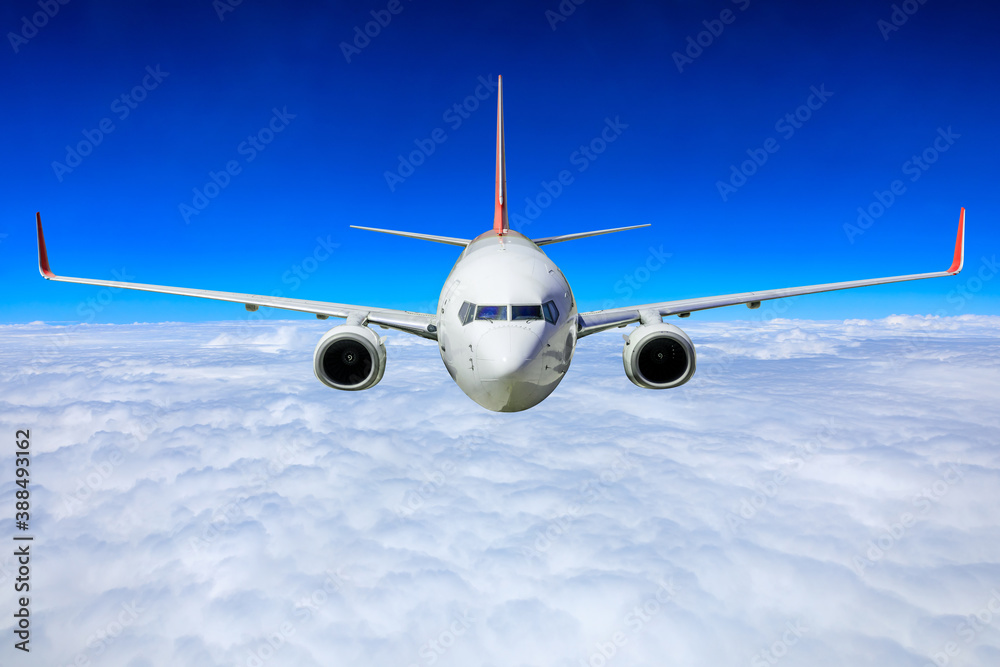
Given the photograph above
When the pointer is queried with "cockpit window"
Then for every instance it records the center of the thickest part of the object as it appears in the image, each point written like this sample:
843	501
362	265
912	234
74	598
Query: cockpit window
525	312
465	313
491	313
551	312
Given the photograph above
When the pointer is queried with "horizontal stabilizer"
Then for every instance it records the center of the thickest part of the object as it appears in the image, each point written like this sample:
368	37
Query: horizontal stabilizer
582	235
413	235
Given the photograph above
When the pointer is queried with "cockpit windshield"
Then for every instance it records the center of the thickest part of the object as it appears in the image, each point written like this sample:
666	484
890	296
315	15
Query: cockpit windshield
491	313
525	312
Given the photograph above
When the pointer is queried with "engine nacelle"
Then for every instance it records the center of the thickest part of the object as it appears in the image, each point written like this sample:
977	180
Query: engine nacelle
349	357
658	356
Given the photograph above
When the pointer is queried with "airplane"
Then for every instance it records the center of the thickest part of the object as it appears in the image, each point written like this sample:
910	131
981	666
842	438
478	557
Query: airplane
506	322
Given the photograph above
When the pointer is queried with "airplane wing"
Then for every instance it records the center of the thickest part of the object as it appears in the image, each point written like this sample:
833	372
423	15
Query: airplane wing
419	324
600	320
582	235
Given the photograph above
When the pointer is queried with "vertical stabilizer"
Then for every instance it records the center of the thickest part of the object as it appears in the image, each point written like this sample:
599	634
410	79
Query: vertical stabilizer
500	225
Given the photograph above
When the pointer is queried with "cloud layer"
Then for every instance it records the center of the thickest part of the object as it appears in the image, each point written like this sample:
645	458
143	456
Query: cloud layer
821	493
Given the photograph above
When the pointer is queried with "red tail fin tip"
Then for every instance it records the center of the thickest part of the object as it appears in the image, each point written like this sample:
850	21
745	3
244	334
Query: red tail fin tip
500	223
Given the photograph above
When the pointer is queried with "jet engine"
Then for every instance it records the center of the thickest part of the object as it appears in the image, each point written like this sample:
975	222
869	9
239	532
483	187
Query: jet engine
658	356
350	357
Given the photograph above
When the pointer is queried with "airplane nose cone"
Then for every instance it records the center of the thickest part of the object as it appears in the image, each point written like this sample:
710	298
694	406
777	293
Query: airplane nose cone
505	353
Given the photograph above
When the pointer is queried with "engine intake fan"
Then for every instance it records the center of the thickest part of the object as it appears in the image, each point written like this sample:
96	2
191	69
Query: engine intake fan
658	356
349	357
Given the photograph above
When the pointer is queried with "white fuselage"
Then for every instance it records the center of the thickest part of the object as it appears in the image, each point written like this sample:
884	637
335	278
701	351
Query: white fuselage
509	347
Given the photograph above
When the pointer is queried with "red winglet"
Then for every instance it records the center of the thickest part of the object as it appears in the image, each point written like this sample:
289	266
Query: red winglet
43	257
956	264
500	224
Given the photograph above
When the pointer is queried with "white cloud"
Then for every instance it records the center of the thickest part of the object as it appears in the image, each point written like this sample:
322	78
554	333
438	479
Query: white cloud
199	495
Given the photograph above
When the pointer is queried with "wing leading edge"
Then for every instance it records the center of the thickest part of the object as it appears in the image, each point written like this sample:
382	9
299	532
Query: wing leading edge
600	320
419	324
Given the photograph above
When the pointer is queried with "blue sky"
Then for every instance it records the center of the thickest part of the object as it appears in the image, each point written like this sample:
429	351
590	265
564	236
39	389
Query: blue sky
215	78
